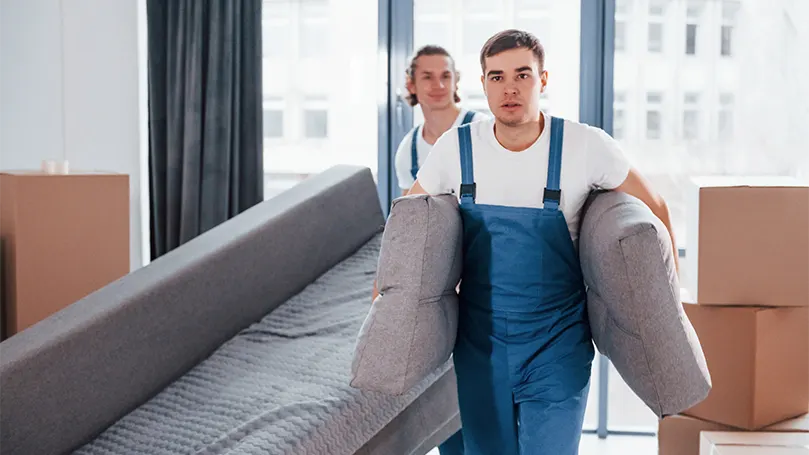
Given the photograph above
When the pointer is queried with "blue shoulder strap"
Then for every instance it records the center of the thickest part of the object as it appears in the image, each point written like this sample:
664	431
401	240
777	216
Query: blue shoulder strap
553	194
467	171
414	154
467	118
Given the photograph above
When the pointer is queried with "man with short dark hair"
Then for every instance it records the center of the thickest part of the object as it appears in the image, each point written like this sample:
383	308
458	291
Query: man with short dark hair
524	350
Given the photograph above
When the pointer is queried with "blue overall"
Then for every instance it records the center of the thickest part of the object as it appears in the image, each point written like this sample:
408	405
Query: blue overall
524	351
414	152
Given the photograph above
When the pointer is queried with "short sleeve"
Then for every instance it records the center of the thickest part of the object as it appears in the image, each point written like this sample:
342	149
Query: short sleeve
404	161
433	175
607	165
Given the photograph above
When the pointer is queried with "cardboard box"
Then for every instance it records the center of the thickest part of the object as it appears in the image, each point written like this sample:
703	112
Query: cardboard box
753	443
680	434
63	237
759	364
747	241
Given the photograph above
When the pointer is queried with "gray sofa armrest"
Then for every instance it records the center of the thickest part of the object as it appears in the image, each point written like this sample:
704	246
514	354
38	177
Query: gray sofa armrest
67	378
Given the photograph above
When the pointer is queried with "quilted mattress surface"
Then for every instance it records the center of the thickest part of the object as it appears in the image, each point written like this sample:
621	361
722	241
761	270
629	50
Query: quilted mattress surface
278	387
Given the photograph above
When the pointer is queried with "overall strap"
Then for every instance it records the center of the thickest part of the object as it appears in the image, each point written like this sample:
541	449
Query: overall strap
553	194
467	118
467	171
414	154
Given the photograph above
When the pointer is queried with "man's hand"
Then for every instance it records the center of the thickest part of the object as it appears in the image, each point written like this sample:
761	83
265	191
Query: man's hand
416	189
636	185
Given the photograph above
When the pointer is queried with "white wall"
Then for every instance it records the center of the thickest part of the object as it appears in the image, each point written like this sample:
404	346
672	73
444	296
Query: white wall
72	87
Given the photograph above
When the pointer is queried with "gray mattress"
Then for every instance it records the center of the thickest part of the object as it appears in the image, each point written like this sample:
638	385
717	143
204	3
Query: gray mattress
278	387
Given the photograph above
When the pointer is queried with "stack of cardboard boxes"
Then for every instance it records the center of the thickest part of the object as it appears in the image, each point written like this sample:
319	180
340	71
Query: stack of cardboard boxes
747	271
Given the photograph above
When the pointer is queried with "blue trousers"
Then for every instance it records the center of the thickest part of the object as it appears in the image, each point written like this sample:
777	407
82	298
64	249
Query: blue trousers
453	445
542	428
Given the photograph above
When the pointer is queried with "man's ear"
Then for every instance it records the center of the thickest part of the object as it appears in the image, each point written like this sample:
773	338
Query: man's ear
409	85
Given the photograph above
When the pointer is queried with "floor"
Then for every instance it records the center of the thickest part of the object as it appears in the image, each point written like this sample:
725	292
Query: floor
613	445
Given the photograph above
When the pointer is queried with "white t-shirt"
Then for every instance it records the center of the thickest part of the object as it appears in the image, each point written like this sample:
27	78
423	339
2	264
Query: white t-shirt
591	159
403	159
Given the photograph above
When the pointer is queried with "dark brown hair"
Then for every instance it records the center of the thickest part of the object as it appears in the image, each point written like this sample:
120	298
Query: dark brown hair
512	39
411	70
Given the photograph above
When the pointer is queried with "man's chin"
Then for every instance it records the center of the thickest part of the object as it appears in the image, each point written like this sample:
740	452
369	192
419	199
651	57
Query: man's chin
511	121
439	105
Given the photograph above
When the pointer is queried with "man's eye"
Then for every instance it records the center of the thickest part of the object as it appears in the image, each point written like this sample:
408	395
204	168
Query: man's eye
495	78
523	76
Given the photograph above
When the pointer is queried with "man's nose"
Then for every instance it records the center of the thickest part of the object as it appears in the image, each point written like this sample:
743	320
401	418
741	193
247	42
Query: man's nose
510	89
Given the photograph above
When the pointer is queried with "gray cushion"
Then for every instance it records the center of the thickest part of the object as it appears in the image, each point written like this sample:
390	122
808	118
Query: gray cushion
634	306
411	327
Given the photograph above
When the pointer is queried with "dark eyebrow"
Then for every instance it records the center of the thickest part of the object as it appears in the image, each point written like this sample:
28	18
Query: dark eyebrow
524	68
495	73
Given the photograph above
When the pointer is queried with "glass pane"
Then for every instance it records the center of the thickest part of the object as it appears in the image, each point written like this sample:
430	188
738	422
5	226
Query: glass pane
475	33
591	412
273	123
317	122
471	22
712	120
436	32
727	39
620	36
691	39
625	411
322	82
655	37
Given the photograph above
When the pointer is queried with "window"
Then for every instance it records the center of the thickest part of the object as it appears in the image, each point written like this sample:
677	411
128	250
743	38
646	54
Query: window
727	36
521	5
730	10
275	26
690	39
314	30
431	31
690	124
464	26
316	118
655	37
273	117
620	36
725	117
618	123
618	115
653	124
476	31
707	91
622	6
654	115
316	121
273	123
691	116
315	91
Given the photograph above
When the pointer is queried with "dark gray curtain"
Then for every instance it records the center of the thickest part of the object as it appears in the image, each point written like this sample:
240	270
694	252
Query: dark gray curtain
205	115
